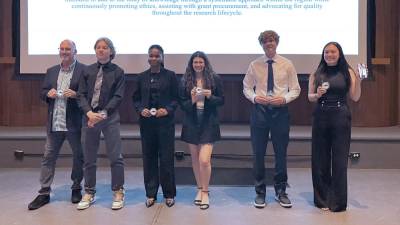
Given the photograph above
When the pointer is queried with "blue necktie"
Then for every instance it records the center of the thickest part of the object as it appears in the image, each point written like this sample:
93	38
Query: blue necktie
270	85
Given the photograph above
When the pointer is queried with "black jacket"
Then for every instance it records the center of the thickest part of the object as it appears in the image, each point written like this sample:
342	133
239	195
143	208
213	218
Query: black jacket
74	114
112	88
210	117
168	93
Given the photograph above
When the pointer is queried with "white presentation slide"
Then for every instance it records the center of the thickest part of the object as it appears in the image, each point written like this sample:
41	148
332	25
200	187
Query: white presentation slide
227	30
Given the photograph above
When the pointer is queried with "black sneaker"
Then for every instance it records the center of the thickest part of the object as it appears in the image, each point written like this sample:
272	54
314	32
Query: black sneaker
76	196
39	201
259	201
283	200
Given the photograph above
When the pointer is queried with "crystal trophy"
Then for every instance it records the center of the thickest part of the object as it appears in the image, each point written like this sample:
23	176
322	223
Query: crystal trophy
60	93
325	85
153	111
362	70
103	113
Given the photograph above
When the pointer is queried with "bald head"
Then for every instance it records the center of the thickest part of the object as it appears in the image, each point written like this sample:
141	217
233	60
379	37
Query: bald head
69	43
67	52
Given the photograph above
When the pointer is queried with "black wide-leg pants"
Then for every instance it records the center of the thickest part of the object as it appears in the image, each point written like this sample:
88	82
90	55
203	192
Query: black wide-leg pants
331	134
158	157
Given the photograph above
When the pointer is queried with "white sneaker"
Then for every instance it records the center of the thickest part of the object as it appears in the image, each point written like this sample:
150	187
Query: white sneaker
118	199
87	200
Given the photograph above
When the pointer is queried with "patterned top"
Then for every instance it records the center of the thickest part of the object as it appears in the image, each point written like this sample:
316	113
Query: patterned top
60	104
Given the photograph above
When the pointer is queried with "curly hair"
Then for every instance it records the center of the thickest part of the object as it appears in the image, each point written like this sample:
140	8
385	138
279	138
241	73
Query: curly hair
189	77
268	34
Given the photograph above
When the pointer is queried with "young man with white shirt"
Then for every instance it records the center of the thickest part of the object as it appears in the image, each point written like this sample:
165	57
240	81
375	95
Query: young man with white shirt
270	84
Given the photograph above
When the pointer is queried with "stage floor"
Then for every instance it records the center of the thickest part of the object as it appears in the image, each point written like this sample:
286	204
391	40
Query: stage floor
228	132
374	197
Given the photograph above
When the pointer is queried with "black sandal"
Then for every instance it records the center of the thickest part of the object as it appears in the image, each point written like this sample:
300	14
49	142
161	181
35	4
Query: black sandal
198	201
150	202
205	205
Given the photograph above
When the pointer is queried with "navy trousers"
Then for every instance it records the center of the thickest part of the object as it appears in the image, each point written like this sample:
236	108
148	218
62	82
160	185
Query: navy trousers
266	121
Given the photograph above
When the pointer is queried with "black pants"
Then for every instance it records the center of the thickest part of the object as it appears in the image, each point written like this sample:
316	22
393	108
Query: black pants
331	133
265	120
158	157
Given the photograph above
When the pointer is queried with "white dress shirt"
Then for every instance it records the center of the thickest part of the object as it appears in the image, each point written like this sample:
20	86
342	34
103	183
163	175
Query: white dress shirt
286	83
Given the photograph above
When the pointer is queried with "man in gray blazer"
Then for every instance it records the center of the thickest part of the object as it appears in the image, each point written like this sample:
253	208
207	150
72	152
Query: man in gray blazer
64	121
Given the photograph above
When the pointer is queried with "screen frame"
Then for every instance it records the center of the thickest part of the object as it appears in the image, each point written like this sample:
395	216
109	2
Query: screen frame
16	37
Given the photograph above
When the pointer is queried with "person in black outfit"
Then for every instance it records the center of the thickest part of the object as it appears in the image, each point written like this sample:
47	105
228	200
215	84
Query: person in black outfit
200	94
155	100
329	86
64	121
100	93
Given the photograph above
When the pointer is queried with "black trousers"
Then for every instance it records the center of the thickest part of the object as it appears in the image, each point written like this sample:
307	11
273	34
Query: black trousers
158	142
266	120
331	134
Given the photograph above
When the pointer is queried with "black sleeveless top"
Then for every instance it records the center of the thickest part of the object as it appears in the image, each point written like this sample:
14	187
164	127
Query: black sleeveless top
338	87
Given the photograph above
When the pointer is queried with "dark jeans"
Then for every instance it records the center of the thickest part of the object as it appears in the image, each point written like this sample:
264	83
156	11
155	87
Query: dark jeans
158	157
110	128
331	134
53	145
264	121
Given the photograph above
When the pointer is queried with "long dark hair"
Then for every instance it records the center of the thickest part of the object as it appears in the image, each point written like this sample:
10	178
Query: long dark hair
342	66
160	49
189	78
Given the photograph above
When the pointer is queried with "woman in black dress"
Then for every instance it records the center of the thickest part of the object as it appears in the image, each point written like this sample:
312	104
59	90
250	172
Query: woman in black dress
200	94
155	100
329	86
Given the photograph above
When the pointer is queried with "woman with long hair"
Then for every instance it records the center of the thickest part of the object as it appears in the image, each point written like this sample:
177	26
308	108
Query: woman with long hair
331	84
200	94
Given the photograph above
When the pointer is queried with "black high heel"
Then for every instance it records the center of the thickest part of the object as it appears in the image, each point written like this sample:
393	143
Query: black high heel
197	201
205	206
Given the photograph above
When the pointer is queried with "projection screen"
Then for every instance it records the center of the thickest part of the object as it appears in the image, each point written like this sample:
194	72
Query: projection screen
227	30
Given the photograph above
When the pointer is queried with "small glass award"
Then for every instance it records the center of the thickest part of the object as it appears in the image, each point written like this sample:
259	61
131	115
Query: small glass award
60	93
325	85
153	111
103	113
199	91
200	94
362	70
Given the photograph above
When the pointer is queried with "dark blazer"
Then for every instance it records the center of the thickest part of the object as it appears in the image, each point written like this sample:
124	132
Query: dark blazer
210	117
168	94
74	114
112	88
